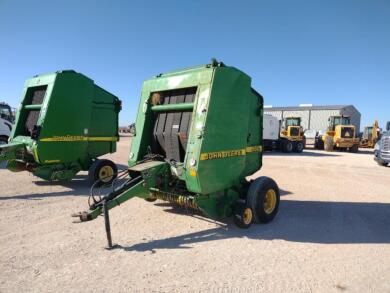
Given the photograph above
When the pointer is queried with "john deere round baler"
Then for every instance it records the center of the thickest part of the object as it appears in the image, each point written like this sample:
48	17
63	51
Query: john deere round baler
63	124
198	136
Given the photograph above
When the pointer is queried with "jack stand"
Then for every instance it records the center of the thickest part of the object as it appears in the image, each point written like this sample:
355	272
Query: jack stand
107	225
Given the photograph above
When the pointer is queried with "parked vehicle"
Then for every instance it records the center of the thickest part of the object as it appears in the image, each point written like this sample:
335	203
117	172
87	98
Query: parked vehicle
65	122
7	119
290	139
340	135
371	136
382	148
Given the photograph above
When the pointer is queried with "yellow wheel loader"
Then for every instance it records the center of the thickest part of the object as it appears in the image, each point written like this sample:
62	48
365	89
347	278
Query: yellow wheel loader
371	135
292	138
340	135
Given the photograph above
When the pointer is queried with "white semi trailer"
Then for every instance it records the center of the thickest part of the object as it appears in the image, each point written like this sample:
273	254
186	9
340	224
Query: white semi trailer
271	132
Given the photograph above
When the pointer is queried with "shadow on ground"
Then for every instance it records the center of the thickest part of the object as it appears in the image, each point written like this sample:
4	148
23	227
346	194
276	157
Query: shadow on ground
305	153
298	221
79	186
366	151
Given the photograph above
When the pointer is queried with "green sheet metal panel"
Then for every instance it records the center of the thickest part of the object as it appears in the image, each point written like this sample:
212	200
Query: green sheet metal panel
224	143
75	122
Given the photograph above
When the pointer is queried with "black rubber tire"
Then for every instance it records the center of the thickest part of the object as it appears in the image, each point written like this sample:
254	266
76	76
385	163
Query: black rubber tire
256	195
94	170
287	146
298	147
238	215
3	139
381	163
354	148
318	144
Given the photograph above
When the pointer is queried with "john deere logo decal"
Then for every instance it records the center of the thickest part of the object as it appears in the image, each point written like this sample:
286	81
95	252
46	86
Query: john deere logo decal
231	153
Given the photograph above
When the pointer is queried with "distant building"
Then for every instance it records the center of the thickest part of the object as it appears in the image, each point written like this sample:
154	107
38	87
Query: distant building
315	118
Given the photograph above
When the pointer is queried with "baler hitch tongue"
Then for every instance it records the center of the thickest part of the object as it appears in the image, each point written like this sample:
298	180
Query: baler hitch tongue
10	151
83	217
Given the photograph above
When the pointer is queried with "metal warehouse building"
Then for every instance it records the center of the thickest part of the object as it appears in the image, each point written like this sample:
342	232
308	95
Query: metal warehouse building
315	118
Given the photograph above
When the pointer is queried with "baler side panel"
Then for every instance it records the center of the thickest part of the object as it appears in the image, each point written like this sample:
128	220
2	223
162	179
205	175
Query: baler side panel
255	134
226	132
104	123
67	115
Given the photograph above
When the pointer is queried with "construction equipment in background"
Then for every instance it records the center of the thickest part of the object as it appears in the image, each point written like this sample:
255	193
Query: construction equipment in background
292	138
285	140
271	133
340	135
371	135
382	148
7	119
198	136
64	123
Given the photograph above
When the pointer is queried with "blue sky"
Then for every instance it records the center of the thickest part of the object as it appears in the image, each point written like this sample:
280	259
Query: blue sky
318	52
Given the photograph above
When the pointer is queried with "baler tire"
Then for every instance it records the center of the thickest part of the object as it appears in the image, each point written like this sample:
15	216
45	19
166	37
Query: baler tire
264	194
242	215
298	147
96	170
287	146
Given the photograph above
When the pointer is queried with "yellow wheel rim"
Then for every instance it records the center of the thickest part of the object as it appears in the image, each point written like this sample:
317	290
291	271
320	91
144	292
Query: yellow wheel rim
247	216
106	173
269	201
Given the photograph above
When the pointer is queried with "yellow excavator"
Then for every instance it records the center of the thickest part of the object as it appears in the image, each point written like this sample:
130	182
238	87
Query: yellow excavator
371	135
292	138
340	135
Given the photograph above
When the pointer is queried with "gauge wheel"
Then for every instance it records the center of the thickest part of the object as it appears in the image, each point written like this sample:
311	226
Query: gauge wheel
242	215
263	197
103	171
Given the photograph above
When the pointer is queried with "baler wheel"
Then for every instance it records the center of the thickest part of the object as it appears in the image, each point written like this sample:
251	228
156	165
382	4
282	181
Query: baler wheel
104	171
242	215
264	198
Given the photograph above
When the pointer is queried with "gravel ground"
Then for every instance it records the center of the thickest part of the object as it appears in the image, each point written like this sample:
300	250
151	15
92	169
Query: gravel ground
332	234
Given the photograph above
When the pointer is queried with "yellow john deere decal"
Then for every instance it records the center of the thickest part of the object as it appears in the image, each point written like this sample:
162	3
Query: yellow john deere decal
228	154
77	138
52	161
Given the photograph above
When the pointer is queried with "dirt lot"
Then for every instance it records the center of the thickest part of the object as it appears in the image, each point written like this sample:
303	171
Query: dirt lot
332	234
